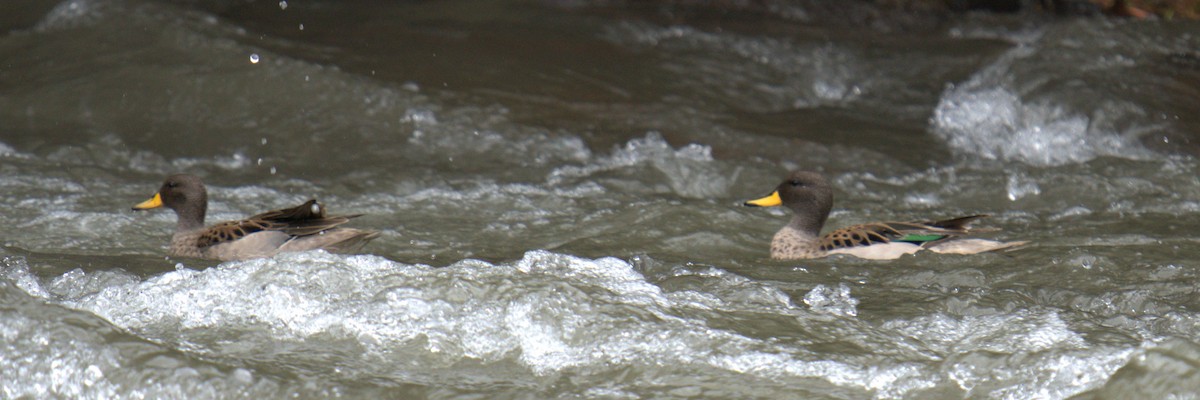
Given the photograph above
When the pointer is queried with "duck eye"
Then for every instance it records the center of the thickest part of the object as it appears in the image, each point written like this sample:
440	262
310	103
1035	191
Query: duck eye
795	182
172	184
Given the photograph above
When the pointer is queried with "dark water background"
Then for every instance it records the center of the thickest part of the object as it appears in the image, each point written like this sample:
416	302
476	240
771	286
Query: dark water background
558	187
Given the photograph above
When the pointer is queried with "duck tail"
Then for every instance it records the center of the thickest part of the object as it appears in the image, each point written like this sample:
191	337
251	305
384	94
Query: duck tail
960	224
352	240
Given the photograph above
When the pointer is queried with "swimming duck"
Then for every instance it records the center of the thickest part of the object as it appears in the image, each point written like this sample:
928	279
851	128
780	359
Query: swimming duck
300	228
810	197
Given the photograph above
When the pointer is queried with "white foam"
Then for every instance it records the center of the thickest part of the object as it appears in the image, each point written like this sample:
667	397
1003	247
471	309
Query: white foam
71	14
1165	370
8	151
419	116
988	116
547	312
1020	186
1023	354
690	170
53	352
832	301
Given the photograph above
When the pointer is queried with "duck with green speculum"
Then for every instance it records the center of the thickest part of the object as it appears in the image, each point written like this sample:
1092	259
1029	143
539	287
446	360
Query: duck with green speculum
810	198
301	228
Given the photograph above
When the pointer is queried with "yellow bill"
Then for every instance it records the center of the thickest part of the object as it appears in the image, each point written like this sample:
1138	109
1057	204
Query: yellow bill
154	202
771	200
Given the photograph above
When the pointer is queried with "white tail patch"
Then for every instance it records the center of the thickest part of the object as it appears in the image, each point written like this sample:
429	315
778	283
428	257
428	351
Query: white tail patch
973	246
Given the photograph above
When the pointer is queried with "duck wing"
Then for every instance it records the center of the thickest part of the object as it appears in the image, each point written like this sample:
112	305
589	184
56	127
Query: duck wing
919	233
303	220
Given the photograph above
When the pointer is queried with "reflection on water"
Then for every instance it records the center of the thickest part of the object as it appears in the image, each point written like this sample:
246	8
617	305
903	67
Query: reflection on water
558	188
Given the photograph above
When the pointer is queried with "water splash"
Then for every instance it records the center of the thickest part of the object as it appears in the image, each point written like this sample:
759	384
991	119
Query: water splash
1020	186
832	301
73	14
1001	113
690	170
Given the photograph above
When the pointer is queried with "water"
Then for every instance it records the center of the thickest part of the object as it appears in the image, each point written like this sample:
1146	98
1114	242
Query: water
558	188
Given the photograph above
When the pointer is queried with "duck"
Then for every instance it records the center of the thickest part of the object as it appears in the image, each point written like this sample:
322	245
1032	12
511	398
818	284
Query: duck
301	228
810	197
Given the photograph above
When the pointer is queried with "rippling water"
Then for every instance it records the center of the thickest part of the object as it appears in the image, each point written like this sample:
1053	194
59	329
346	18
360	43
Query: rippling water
558	188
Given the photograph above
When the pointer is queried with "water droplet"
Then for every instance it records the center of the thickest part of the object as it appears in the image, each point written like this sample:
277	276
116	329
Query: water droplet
1020	186
1087	261
306	78
301	26
272	170
244	376
259	161
264	141
92	375
254	58
282	5
419	116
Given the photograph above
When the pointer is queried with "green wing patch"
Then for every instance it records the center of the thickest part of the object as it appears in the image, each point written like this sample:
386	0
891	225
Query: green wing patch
918	238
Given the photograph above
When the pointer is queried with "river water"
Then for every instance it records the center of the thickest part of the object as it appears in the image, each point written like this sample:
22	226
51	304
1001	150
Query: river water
558	187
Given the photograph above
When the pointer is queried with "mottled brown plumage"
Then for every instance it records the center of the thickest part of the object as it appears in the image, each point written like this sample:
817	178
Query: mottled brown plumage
300	228
810	197
886	232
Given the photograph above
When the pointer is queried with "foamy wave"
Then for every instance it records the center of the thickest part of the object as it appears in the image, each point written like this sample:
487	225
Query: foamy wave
1027	107
689	170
